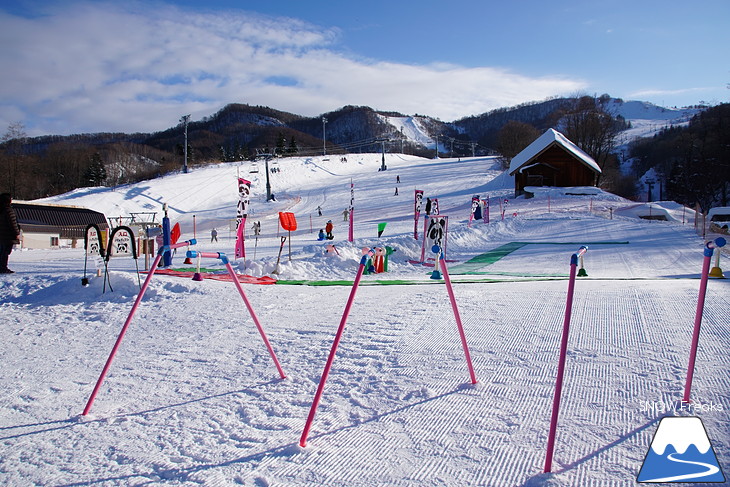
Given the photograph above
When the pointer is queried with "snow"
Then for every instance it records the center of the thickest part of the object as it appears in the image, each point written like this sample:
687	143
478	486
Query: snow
193	397
412	129
648	119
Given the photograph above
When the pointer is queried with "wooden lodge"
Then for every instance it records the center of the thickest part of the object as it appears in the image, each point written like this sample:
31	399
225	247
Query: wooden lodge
553	160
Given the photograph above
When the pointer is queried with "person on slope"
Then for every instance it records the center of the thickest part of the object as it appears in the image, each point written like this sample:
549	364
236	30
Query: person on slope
328	228
9	231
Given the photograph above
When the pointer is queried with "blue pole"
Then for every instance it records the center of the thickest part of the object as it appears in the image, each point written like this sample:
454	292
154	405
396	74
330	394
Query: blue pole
166	240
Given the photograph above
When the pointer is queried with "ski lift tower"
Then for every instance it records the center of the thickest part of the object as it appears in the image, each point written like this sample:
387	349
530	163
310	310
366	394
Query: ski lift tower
324	137
266	157
184	120
383	140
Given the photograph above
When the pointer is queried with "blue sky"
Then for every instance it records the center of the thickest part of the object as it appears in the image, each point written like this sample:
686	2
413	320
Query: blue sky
92	66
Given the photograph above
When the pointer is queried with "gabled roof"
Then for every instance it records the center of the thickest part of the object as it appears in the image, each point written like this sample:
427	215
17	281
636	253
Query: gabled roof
544	142
29	214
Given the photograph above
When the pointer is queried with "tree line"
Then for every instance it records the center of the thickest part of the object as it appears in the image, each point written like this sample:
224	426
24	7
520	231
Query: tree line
692	163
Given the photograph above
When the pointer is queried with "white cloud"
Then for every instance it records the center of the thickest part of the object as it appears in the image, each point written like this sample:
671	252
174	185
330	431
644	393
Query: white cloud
91	67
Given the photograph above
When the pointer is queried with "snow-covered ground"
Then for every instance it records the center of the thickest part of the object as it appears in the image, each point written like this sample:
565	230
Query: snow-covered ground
193	397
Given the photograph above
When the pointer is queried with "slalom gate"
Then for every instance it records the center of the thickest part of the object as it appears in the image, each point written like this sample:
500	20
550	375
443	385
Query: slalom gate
192	254
367	253
709	248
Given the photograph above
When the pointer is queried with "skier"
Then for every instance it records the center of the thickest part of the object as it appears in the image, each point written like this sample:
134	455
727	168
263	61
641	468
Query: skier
397	179
396	191
328	228
319	210
345	215
256	228
213	235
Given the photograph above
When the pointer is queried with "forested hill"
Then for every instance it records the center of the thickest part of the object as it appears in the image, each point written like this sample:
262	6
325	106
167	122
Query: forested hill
42	166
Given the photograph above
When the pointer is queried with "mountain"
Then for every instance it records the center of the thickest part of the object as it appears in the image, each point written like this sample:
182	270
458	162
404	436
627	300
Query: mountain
240	131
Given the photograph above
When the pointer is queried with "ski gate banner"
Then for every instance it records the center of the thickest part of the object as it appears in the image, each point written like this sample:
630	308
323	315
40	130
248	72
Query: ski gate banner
244	190
121	243
435	206
436	227
486	209
474	208
92	242
350	233
418	198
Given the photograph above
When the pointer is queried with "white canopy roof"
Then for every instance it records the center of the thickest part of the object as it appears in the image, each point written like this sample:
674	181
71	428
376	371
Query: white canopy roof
542	143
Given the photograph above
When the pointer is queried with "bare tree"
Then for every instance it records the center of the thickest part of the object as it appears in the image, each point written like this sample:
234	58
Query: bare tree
512	138
11	157
592	128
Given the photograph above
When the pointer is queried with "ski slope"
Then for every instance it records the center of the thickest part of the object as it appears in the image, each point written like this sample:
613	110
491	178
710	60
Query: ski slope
193	397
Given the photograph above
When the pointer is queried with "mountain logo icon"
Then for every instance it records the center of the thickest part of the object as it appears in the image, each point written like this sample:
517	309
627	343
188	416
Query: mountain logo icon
680	452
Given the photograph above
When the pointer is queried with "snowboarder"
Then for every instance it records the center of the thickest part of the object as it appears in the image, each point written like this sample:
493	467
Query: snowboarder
328	228
396	191
213	235
321	235
345	215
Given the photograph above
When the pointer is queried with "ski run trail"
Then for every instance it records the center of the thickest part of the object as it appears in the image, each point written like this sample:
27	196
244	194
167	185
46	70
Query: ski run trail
193	397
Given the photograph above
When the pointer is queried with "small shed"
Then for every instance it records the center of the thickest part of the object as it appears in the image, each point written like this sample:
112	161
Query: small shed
553	160
53	226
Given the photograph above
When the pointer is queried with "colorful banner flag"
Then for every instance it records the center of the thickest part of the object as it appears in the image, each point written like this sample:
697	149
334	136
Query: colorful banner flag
244	191
435	206
418	198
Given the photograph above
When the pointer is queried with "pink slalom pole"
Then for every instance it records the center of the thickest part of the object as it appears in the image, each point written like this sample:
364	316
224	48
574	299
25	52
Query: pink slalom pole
255	318
561	363
709	249
121	334
452	298
129	320
333	351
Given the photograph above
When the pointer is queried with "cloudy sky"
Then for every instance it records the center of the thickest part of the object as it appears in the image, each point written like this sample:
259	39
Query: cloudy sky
95	66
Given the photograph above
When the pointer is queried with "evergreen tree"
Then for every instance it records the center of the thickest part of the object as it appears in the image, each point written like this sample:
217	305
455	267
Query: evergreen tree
293	149
280	144
95	173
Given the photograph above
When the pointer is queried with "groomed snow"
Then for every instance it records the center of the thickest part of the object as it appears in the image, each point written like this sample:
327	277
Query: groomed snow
193	398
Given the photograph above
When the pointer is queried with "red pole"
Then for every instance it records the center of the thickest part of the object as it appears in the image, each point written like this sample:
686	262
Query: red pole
253	316
142	290
452	298
121	334
561	363
709	249
333	350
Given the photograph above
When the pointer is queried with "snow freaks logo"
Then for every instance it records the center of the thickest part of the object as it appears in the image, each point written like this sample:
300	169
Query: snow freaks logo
680	452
